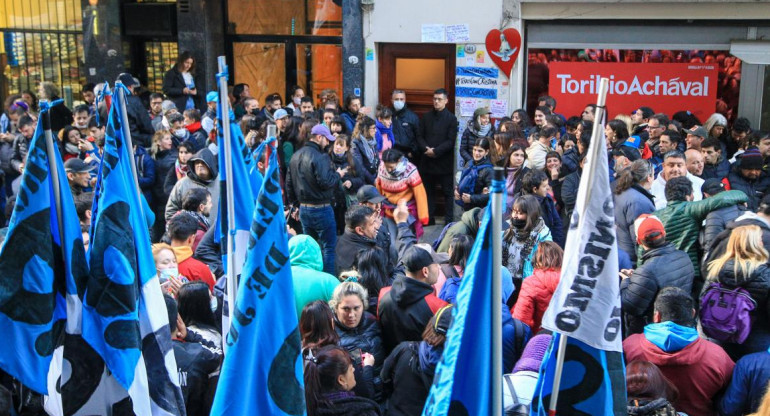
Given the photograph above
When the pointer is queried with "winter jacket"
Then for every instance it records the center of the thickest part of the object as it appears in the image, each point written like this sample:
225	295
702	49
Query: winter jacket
536	155
719	244
196	360
534	297
192	180
682	221
145	171
629	205
209	252
365	337
527	264
61	115
570	161
349	244
469	137
717	221
657	407
191	268
139	122
347	404
350	120
439	131
552	219
468	225
702	367
164	163
513	187
484	173
369	164
311	178
310	281
404	309
750	379
356	179
173	87
198	137
754	189
406	129
661	267
569	189
758	286
718	171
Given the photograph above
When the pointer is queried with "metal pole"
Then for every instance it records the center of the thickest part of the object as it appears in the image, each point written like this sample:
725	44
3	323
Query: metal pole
594	150
127	139
497	293
53	166
224	105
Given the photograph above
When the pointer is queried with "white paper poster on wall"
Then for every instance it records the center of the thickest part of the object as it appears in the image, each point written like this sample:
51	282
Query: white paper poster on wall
467	107
499	108
458	33
433	33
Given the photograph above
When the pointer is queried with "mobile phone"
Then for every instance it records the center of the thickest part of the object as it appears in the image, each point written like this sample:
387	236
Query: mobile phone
553	142
356	357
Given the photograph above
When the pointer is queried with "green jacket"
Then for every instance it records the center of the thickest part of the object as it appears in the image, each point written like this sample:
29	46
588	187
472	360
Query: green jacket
310	281
682	221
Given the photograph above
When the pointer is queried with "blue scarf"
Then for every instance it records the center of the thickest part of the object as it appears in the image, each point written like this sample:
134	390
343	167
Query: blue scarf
669	336
378	135
467	184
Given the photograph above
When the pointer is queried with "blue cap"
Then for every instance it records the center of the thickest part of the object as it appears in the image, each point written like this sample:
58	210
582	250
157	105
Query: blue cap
320	129
212	96
280	113
633	141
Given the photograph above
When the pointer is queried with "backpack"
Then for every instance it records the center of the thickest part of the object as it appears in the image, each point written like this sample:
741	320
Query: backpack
725	313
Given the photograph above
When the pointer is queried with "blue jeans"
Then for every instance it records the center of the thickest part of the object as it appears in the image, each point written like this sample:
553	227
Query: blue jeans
318	222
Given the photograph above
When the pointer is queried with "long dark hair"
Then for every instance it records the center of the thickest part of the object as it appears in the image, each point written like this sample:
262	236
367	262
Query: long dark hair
526	122
322	369
461	247
514	148
527	204
620	129
194	304
348	154
371	265
316	326
180	61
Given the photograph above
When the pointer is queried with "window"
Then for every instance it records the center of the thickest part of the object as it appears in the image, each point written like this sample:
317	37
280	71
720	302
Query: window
160	57
285	17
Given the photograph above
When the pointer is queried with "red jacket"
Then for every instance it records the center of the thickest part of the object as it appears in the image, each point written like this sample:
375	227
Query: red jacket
193	269
534	297
700	370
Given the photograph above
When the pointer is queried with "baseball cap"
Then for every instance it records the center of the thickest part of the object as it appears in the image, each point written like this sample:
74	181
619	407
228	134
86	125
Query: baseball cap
443	320
712	186
415	258
368	193
127	79
698	131
280	113
320	129
629	152
646	226
212	97
633	141
76	165
481	111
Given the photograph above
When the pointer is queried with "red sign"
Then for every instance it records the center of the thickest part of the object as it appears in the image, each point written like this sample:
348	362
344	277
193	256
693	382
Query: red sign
666	88
503	48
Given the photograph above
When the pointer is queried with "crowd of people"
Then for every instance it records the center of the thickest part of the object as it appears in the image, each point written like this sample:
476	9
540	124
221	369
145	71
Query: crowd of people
692	213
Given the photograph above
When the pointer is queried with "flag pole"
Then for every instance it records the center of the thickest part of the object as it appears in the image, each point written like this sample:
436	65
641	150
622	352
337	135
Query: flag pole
595	150
127	139
497	292
53	167
224	101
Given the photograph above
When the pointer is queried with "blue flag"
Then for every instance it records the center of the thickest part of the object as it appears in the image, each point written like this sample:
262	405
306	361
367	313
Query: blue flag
124	315
462	384
262	371
593	381
39	267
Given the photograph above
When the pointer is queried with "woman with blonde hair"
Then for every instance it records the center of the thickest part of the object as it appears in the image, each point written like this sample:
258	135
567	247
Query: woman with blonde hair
744	265
625	118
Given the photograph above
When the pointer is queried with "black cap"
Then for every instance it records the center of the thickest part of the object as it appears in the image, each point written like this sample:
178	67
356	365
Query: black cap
629	152
369	193
443	320
415	258
76	165
712	186
127	79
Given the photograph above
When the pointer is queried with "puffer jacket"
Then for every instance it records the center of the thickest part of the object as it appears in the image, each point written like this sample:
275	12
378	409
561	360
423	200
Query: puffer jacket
682	221
717	221
657	407
718	171
534	297
192	180
469	138
484	180
719	244
311	178
661	267
748	385
366	337
629	205
755	189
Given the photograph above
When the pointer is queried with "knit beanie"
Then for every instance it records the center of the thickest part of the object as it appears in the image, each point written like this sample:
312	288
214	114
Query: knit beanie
533	353
751	159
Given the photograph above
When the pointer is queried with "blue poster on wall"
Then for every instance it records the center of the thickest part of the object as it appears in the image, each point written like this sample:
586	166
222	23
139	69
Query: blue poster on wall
475	82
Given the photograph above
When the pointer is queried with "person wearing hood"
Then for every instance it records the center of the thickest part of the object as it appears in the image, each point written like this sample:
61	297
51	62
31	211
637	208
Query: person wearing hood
671	342
479	127
473	188
202	173
407	373
310	281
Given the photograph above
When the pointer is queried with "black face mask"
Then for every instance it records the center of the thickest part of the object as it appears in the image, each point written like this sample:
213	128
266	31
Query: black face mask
518	224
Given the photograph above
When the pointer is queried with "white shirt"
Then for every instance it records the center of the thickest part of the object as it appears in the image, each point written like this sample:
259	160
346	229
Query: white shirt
536	154
658	189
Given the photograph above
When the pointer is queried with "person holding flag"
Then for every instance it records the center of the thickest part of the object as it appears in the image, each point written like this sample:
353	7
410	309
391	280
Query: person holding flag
586	302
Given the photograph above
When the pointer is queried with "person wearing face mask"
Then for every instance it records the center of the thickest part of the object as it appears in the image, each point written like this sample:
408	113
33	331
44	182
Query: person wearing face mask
406	127
632	198
179	133
167	268
479	127
521	239
297	93
398	180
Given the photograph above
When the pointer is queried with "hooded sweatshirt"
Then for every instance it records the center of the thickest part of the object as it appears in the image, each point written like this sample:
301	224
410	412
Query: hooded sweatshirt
192	180
404	309
310	281
686	360
191	268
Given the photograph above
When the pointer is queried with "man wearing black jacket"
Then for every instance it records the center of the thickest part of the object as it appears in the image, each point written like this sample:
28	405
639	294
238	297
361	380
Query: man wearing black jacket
310	182
406	127
138	120
436	145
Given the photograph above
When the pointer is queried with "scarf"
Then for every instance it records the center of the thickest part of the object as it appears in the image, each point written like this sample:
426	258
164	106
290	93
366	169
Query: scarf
398	172
483	131
429	357
382	130
467	183
370	145
71	148
192	128
528	239
181	170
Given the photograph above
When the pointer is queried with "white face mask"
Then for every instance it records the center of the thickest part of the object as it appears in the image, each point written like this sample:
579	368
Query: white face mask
214	303
398	105
165	274
180	132
297	101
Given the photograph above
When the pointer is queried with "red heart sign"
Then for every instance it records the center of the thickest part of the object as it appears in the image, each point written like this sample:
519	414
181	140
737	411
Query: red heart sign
503	48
